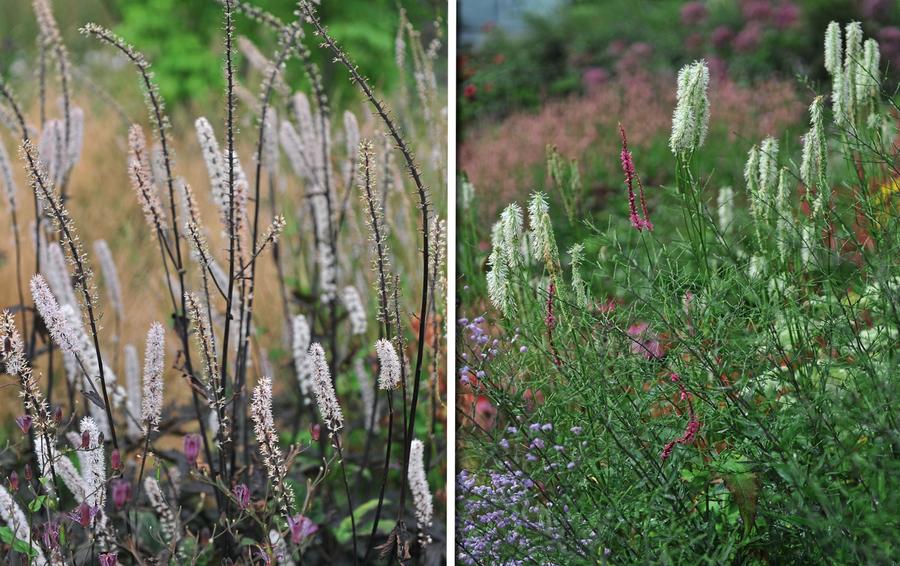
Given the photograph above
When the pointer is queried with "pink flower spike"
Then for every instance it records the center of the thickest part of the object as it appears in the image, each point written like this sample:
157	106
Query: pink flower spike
693	426
639	223
646	220
109	559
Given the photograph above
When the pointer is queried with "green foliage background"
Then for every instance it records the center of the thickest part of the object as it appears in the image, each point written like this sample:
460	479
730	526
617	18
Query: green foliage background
182	38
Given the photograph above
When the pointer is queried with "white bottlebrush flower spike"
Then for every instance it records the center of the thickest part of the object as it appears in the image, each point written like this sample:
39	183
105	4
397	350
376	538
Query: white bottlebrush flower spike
725	208
56	271
869	73
355	310
16	520
543	240
168	522
6	177
216	166
833	50
133	388
507	239
267	441
326	398
418	485
154	363
498	284
53	315
814	158
690	121
579	285
366	393
389	365
93	465
301	338
110	276
511	233
784	214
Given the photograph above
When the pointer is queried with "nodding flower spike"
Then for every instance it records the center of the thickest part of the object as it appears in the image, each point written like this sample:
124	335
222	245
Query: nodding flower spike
638	222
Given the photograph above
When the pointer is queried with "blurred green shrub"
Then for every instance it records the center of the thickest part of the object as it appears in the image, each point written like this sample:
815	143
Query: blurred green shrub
190	29
587	42
182	38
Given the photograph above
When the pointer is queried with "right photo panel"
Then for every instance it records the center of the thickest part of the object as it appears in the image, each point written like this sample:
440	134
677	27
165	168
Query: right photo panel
677	287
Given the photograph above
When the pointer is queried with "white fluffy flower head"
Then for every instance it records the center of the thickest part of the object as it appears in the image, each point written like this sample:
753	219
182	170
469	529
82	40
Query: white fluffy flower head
690	121
389	362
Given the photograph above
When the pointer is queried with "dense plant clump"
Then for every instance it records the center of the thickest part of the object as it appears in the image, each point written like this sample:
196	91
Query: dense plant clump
715	385
266	450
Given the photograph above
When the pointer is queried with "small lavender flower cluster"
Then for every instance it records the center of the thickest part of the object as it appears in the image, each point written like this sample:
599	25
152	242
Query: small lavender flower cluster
500	519
479	348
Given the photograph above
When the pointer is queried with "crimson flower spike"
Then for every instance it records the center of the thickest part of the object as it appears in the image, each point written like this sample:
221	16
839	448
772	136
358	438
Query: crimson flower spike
640	223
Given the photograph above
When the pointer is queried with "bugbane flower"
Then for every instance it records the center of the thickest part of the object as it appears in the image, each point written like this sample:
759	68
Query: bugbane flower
154	361
326	398
355	309
300	336
418	485
389	362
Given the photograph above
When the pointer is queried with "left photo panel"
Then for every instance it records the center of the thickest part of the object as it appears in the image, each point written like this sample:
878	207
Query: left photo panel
223	249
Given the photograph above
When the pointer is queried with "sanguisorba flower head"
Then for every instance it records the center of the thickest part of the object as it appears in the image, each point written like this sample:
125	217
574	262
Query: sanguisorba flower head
326	398
579	285
761	177
506	239
690	121
543	240
833	48
853	58
389	362
511	233
154	362
814	157
725	208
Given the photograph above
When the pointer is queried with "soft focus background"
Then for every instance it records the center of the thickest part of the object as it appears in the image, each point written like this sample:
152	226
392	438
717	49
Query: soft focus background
565	72
192	29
